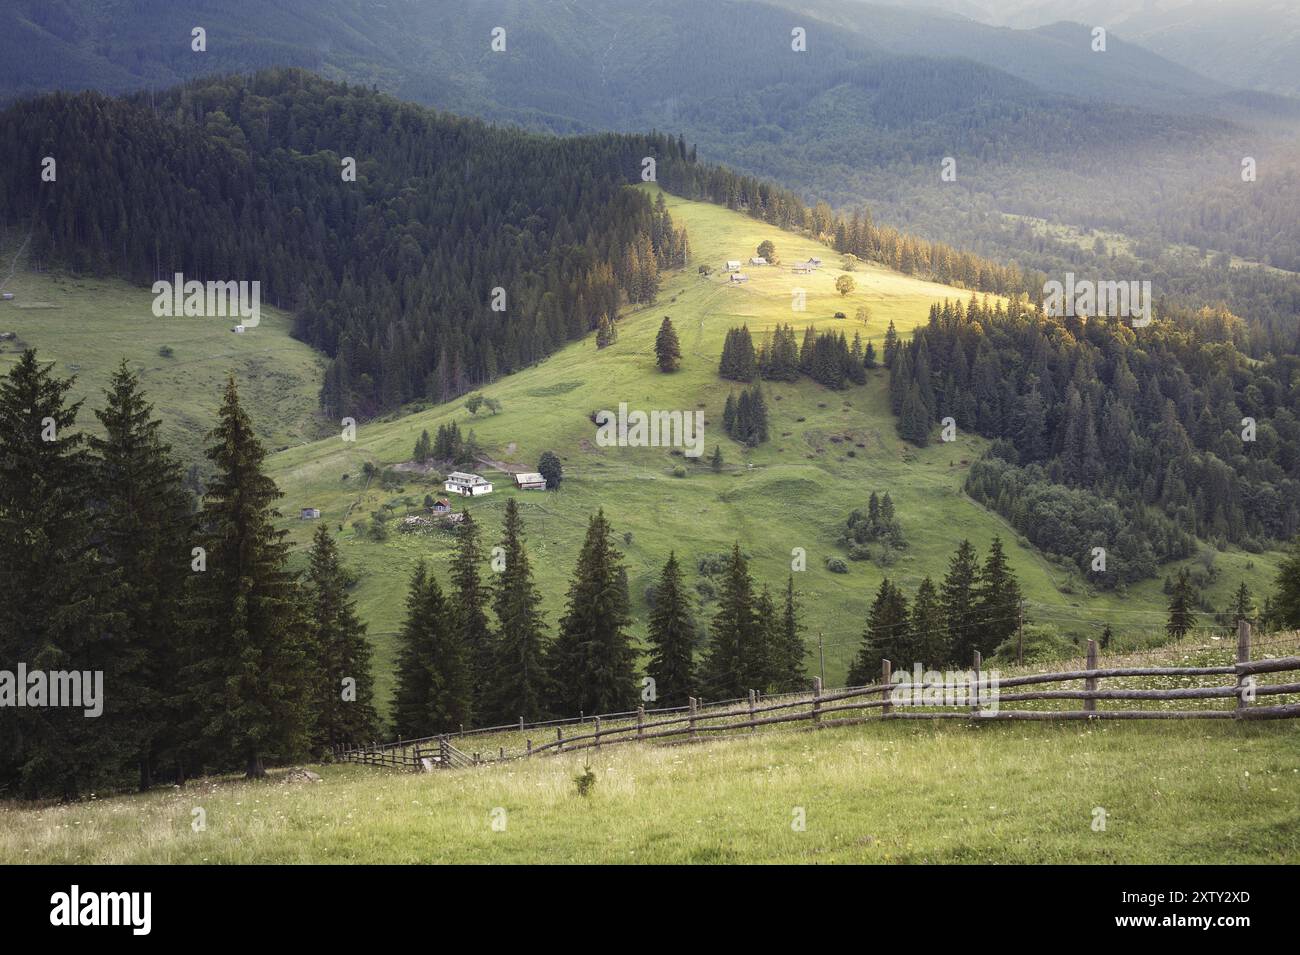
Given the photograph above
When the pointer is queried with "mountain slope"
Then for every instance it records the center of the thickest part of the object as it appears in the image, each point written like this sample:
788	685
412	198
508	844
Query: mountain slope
828	452
87	325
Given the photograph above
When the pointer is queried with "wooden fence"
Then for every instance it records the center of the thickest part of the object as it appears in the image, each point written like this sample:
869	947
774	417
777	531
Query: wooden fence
977	698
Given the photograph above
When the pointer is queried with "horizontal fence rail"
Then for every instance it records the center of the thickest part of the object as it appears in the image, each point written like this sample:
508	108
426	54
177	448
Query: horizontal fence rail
892	697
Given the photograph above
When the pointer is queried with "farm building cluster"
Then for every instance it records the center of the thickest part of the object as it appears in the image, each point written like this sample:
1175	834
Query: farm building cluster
732	267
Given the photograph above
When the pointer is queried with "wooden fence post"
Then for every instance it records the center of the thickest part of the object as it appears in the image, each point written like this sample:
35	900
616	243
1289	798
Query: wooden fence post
640	721
886	676
444	752
529	750
817	702
1090	684
521	724
559	739
597	732
752	727
975	686
694	735
1243	656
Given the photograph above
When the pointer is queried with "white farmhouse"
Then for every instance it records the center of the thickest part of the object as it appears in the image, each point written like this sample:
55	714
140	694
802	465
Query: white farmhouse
469	485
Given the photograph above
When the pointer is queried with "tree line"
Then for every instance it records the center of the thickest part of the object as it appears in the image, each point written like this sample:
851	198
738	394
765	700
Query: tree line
826	357
458	667
973	608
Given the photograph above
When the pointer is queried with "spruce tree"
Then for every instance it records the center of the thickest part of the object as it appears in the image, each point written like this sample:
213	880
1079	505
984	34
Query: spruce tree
788	650
764	662
518	686
592	661
53	615
469	600
957	596
734	645
248	665
434	684
1181	601
715	462
668	350
343	689
1243	606
143	522
929	632
997	600
886	637
672	638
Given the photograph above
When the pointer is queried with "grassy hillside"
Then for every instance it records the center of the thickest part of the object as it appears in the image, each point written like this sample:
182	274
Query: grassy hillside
828	452
878	793
89	325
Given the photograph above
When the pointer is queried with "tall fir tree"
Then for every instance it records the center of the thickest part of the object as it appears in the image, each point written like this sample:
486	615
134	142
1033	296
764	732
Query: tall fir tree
672	638
668	350
997	600
764	663
886	637
519	685
957	595
143	521
929	630
1243	605
434	684
470	599
592	662
247	637
53	616
788	650
342	686
1181	603
734	644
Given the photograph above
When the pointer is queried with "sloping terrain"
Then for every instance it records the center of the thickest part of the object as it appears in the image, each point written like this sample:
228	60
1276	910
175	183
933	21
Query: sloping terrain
88	325
828	451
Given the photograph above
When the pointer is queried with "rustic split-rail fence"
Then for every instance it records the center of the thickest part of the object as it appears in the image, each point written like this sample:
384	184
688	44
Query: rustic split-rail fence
855	705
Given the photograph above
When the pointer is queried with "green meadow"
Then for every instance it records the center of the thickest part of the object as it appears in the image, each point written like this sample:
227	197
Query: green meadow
828	451
88	325
882	792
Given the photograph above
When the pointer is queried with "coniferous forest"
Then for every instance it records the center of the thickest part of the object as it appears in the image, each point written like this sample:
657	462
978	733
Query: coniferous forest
1102	436
393	275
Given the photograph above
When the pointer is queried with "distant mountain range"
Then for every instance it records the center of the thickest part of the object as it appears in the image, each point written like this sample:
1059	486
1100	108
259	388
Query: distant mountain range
1253	44
1038	123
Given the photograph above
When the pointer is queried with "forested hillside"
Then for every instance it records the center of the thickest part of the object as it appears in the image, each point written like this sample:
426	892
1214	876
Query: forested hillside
392	275
1137	441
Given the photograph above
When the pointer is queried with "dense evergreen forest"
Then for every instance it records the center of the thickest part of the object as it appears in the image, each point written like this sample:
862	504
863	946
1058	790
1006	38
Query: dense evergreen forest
392	275
1135	441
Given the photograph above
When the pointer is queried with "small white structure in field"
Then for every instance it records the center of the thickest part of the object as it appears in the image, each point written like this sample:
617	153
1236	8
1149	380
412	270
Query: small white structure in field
733	265
238	329
6	295
530	481
757	260
469	485
739	277
309	514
